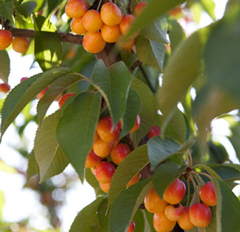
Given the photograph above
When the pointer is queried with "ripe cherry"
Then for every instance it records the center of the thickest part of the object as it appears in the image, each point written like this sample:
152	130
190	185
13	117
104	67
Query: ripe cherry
92	21
119	153
4	87
20	44
139	8
136	125
207	194
102	148
77	26
75	8
175	192
131	227
104	172
92	160
134	180
110	34
105	186
200	215
184	221
64	98
161	223
5	39
174	212
154	131
93	42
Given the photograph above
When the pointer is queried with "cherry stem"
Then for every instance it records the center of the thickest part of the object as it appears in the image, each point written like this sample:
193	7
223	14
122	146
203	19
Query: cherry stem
204	174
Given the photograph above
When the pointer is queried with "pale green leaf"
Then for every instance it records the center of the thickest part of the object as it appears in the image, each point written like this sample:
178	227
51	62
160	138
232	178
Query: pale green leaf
50	158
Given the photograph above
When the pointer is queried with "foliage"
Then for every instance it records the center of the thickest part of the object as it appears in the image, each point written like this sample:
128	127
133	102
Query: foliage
152	80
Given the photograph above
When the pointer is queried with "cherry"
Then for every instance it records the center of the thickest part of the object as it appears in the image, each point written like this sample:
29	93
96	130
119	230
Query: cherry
104	172
154	131
92	160
5	39
119	153
64	98
161	223
207	194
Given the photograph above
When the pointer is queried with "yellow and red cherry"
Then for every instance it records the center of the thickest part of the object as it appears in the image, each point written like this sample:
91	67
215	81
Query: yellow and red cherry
207	194
106	131
5	87
105	186
111	14
93	42
136	125
119	153
20	44
175	192
154	131
154	203
134	180
131	227
92	21
75	8
92	160
64	98
23	79
102	148
110	34
40	95
184	221
126	23
174	212
139	8
5	39
161	223
104	172
200	215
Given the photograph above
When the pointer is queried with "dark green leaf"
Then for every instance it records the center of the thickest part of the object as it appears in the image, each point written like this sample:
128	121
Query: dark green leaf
126	170
133	107
33	168
86	216
26	8
56	88
6	9
150	52
76	129
228	207
127	204
161	149
51	160
4	65
103	215
113	84
148	111
23	93
164	175
48	47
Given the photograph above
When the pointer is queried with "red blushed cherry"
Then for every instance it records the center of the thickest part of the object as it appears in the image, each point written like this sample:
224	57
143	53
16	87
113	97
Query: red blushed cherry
207	194
40	95
104	172
106	131
64	98
92	160
139	8
200	215
134	180
154	131
175	192
5	39
4	87
131	227
174	212
105	187
119	153
23	79
136	125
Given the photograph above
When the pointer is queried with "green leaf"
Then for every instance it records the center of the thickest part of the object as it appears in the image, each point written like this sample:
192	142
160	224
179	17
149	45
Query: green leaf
148	111
103	214
23	93
33	168
56	88
182	67
133	108
228	207
6	9
48	47
154	9
126	170
228	172
85	217
150	52
51	160
176	33
127	204
221	57
161	149
154	32
76	129
4	66
26	8
164	175
113	84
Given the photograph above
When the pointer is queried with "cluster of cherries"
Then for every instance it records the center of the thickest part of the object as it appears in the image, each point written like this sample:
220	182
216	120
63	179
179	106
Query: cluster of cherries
19	44
99	28
168	211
